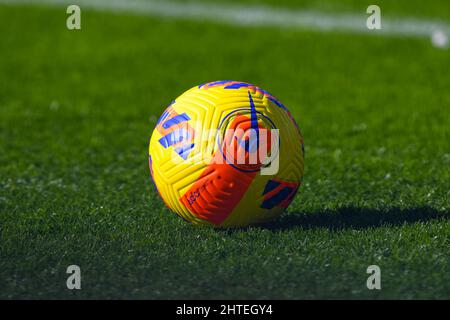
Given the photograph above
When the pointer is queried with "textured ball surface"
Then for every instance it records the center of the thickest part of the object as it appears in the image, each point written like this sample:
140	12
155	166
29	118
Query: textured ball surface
226	154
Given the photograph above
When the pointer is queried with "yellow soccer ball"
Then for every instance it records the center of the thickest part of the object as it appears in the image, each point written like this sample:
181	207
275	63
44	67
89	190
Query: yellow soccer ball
226	154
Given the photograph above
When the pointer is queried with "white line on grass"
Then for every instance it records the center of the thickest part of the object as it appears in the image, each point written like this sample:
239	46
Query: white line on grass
240	15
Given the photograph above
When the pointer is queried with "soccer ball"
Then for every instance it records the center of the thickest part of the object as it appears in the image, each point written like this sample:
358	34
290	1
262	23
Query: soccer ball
226	154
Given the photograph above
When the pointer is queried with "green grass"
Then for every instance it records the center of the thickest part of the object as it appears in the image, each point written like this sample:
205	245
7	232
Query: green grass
76	112
437	9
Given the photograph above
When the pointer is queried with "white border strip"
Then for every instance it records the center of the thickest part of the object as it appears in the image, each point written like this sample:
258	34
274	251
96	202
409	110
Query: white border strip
239	15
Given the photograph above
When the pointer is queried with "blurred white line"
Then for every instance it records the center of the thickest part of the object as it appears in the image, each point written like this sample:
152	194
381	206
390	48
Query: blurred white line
239	15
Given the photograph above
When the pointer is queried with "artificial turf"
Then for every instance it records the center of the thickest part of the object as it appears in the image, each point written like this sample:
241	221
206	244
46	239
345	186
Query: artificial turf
77	109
